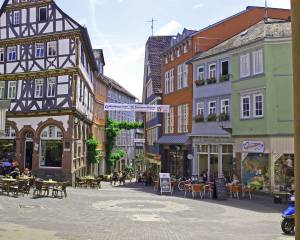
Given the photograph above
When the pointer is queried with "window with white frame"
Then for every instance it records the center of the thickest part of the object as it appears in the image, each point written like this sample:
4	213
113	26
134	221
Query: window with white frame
212	71
166	82
43	14
171	78
179	76
172	56
200	73
11	54
185	75
258	65
171	120
2	87
52	49
212	107
166	59
178	52
167	118
200	109
245	65
245	107
16	17
179	119
39	50
225	68
185	48
1	54
51	87
185	118
39	88
225	107
258	105
12	90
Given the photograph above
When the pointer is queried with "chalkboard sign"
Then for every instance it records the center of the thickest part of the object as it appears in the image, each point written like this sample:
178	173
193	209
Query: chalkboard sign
165	183
220	188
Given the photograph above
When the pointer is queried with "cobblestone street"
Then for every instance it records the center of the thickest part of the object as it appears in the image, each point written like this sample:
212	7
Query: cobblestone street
137	213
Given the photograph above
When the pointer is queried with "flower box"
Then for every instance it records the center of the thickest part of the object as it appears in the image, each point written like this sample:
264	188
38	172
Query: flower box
211	80
212	118
224	117
199	118
199	83
224	78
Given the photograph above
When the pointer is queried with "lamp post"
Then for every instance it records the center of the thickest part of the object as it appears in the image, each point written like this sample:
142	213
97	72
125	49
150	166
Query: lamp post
295	4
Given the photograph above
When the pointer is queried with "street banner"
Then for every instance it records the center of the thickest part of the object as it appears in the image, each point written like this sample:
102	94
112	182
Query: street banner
136	108
165	183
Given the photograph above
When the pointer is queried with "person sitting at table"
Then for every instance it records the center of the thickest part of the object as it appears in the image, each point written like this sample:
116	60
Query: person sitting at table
235	180
15	173
27	172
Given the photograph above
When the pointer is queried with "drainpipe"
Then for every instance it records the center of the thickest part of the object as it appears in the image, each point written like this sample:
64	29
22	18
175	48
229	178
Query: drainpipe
296	73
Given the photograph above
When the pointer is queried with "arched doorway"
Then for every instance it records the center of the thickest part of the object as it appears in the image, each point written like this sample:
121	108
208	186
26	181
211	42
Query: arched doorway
28	149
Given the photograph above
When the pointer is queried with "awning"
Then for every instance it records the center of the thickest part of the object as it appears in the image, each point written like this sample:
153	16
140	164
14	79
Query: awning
175	140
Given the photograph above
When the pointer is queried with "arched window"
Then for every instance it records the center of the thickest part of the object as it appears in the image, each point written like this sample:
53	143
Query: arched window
51	149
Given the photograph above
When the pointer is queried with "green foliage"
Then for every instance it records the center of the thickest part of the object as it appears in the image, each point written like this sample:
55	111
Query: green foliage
117	155
93	153
112	130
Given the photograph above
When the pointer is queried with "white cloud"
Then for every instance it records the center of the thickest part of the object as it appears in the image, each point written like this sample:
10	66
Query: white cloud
171	28
199	5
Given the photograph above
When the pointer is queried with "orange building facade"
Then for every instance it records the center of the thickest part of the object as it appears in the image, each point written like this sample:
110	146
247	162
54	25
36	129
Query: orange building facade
177	82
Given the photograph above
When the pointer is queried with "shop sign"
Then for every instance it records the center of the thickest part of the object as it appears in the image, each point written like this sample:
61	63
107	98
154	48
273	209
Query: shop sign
139	140
165	183
253	147
136	107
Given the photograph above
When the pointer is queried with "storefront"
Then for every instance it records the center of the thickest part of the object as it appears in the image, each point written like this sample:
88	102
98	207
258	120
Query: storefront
214	156
8	145
267	164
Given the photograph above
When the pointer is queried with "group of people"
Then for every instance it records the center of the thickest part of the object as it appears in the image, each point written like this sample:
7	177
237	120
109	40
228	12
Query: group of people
118	177
12	169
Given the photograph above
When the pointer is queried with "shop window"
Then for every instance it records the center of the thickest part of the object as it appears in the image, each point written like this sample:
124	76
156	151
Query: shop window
8	145
51	150
284	173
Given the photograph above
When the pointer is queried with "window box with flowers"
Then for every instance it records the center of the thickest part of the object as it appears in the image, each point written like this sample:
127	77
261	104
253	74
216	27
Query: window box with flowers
211	80
224	117
199	83
212	118
224	78
199	118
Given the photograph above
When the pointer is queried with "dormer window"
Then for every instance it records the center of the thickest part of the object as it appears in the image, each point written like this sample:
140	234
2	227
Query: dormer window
178	52
42	14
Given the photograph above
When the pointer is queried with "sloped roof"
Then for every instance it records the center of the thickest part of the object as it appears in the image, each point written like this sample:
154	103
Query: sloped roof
156	45
114	84
259	31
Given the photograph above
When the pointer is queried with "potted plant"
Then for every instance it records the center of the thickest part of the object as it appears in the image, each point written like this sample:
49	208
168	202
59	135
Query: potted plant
199	118
224	117
224	78
199	82
211	80
212	117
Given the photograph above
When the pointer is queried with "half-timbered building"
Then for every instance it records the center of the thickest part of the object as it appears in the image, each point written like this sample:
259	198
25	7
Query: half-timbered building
47	69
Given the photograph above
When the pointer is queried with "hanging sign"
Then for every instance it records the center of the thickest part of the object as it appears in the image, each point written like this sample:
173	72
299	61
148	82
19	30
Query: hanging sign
165	183
253	147
136	107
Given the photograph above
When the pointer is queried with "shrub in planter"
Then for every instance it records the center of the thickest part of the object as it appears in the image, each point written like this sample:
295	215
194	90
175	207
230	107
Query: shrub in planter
211	80
199	118
212	118
224	117
224	78
199	83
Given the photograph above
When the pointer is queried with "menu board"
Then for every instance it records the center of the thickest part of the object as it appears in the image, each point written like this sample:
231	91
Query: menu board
165	183
221	191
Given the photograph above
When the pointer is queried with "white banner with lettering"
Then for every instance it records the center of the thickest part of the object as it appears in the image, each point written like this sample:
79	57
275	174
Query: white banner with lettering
136	108
253	147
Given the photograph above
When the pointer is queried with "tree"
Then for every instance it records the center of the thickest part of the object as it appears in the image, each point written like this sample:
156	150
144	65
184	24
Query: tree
92	152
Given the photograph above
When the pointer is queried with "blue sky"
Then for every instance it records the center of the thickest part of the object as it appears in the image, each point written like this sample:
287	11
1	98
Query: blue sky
119	27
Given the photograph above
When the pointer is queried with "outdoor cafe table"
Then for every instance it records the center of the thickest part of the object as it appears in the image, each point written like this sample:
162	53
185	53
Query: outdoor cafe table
49	184
88	180
7	183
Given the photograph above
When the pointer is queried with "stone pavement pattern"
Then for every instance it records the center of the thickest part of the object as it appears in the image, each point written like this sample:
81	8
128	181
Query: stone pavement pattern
116	213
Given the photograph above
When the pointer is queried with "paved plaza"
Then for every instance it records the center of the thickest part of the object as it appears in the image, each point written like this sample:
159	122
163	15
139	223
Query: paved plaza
136	213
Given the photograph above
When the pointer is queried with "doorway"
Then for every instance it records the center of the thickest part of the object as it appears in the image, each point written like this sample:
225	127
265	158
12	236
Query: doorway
28	154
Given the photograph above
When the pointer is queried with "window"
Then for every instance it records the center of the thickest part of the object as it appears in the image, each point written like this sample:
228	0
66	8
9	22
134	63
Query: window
51	87
2	87
245	65
178	52
171	80
11	54
200	73
1	54
167	118
12	90
166	60
39	88
16	17
183	118
42	14
200	109
39	50
179	119
258	65
51	150
172	56
225	106
179	77
52	50
212	71
185	48
212	107
149	89
172	120
185	75
80	91
224	68
245	107
258	105
166	82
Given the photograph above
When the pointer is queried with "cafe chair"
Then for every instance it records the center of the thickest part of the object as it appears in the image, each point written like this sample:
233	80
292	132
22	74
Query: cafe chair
60	189
187	189
17	187
38	189
197	188
236	191
249	190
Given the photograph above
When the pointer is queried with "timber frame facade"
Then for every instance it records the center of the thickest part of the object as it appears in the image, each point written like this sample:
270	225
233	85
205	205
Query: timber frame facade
47	71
